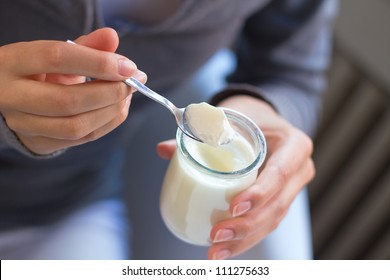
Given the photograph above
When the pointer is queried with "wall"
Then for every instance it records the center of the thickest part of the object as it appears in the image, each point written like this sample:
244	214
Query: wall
350	196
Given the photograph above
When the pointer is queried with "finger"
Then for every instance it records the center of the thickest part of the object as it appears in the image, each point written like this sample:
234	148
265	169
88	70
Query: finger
242	233
28	58
47	99
243	227
64	79
272	212
279	168
221	251
166	149
45	145
246	232
66	128
104	39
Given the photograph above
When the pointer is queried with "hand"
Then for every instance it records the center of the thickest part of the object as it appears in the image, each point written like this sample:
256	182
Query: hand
45	100
258	210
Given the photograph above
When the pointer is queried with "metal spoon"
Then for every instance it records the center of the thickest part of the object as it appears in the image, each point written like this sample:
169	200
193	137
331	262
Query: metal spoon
179	113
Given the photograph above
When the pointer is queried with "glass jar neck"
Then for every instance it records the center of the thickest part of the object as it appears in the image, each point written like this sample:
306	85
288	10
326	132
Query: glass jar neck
246	129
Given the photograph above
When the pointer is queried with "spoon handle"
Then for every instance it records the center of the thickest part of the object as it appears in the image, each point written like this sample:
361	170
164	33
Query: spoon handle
154	96
178	113
150	93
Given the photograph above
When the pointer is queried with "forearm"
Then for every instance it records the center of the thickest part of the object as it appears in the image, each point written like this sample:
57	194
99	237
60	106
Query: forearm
297	107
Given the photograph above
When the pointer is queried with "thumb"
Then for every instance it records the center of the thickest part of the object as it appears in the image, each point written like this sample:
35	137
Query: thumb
104	39
166	149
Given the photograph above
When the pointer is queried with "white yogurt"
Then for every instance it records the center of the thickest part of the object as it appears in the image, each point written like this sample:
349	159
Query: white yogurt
201	180
209	124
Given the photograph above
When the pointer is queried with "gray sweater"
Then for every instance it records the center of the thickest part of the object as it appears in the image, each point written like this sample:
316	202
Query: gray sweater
282	49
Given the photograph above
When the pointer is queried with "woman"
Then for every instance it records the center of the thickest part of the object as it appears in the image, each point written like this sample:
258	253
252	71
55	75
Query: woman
62	147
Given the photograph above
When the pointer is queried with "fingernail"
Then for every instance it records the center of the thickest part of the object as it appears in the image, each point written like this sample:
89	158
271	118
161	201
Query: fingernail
222	254
241	208
140	76
126	67
223	235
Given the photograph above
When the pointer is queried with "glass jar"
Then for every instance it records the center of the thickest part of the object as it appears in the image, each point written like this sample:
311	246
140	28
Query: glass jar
201	180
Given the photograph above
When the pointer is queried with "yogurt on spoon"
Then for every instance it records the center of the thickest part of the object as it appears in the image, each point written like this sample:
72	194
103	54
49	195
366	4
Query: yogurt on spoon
209	124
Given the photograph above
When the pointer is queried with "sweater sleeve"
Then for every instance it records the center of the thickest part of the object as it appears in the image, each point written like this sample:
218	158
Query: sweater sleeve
282	55
9	140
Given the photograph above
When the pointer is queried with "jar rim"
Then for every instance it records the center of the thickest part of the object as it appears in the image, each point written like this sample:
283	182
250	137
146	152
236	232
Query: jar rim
251	127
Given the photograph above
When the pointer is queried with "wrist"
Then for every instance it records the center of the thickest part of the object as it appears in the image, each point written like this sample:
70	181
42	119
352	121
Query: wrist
234	90
245	102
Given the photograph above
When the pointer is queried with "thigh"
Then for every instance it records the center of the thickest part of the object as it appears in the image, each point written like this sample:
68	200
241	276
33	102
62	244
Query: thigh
97	231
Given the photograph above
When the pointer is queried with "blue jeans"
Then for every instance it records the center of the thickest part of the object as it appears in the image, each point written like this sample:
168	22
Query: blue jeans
97	231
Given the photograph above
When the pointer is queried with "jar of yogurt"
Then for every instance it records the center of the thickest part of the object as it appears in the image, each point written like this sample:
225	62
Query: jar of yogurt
202	179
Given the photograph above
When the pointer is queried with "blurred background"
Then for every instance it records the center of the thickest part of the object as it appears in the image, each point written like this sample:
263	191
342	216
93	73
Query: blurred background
350	196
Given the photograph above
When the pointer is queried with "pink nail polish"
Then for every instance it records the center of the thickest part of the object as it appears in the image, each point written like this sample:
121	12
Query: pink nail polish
222	254
223	235
140	76
125	67
241	208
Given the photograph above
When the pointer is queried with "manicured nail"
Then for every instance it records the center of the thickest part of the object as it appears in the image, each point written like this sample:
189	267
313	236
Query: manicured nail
126	67
241	208
223	235
140	76
222	254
